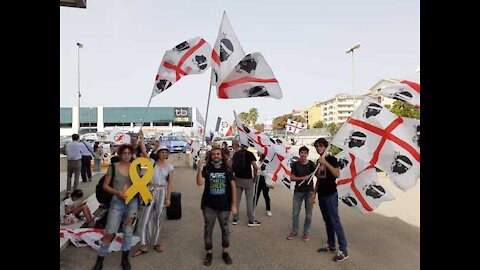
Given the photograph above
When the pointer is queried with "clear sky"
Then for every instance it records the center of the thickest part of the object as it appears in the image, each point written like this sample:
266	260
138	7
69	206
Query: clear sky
304	42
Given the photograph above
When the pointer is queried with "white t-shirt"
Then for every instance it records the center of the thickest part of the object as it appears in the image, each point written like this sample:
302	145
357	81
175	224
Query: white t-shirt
160	174
66	202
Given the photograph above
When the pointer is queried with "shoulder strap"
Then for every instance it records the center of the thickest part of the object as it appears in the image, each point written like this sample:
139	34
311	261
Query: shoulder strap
87	147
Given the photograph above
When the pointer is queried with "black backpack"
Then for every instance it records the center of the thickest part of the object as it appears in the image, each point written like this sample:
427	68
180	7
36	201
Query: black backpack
104	197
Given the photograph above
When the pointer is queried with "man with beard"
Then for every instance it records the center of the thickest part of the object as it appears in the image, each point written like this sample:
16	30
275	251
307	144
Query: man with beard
218	200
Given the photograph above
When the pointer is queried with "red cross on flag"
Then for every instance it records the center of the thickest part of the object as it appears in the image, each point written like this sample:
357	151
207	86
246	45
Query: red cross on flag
385	140
277	157
358	185
189	57
92	236
226	53
294	126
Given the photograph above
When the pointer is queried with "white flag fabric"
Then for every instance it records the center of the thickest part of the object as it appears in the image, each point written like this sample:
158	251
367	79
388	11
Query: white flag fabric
226	53
359	187
113	133
277	157
404	90
195	147
294	126
383	139
118	136
91	237
188	57
251	77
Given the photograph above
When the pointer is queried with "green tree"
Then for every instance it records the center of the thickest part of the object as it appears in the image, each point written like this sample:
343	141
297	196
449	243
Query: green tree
319	124
258	127
245	118
333	128
404	109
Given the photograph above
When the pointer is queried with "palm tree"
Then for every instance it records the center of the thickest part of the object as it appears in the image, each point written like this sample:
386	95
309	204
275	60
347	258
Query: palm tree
253	113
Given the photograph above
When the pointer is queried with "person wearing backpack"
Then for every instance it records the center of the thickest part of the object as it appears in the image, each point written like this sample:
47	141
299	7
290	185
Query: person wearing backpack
119	211
154	213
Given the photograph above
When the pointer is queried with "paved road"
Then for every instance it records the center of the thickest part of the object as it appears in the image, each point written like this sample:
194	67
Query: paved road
375	241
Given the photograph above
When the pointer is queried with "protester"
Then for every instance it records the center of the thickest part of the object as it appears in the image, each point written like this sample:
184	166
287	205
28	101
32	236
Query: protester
301	171
154	213
69	208
119	211
218	200
242	163
74	162
262	186
328	201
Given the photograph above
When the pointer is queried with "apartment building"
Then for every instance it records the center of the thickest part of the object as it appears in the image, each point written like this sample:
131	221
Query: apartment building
338	109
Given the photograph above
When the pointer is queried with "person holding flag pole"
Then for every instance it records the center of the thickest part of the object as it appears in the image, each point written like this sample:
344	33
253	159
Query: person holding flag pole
326	188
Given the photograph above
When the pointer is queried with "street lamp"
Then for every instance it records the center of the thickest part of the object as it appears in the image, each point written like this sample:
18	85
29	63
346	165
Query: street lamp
347	51
79	46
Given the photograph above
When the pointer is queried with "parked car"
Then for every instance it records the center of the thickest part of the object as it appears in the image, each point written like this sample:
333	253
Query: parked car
175	144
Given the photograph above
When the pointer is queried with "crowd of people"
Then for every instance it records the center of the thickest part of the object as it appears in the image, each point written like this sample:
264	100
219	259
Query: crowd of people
225	175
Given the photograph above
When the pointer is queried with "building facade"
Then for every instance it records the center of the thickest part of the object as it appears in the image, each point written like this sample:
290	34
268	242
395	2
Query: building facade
155	119
338	109
314	114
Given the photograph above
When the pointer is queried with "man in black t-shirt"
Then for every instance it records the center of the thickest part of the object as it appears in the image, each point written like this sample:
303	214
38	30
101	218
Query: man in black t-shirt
326	187
242	163
218	200
301	171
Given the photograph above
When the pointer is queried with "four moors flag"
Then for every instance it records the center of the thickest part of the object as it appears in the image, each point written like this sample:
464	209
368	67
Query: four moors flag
358	185
188	57
387	141
294	126
251	77
226	53
277	157
404	90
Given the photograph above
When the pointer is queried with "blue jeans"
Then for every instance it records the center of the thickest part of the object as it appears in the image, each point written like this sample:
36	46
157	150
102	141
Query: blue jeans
298	198
118	212
329	207
98	162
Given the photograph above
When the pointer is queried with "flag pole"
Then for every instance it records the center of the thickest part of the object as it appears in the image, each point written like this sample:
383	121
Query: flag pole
208	106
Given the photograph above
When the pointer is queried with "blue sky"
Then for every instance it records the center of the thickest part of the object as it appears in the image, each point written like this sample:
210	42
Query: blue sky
303	41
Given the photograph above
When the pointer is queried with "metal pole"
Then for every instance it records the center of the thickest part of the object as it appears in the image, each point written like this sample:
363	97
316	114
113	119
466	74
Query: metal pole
206	113
78	76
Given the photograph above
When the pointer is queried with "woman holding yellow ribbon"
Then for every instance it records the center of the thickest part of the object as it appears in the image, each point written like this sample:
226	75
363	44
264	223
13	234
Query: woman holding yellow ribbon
154	213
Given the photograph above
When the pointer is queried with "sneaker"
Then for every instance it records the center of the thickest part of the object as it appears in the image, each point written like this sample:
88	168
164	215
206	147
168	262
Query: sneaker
305	237
292	235
208	259
341	256
326	248
234	221
269	213
226	258
254	223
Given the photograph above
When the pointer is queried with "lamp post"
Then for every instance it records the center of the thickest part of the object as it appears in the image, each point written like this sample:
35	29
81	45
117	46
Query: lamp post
79	46
347	51
123	122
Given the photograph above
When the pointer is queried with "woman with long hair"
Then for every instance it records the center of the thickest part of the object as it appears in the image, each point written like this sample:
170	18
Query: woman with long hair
154	213
119	211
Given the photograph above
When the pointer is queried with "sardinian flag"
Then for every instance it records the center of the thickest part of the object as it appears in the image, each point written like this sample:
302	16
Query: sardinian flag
404	90
195	146
251	77
226	53
278	158
188	57
118	136
92	236
229	130
294	126
383	139
219	122
358	185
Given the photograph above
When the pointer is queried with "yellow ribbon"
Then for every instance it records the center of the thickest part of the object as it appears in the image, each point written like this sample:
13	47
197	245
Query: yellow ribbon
139	184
